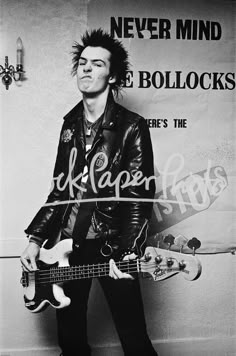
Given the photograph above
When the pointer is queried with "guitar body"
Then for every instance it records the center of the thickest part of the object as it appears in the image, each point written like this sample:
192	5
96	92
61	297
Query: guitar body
38	296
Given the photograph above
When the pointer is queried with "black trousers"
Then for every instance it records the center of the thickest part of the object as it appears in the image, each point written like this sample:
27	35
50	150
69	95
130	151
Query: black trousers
125	302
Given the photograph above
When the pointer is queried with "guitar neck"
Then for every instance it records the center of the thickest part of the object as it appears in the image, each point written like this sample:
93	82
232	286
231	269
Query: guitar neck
63	274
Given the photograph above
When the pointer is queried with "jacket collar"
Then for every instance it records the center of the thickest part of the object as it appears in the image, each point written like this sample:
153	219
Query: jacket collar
75	114
110	114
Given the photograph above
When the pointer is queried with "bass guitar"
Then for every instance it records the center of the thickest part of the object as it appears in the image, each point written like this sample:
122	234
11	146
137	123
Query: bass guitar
44	286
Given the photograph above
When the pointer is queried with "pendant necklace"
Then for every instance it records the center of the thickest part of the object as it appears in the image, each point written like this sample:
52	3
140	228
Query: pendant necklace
88	126
88	129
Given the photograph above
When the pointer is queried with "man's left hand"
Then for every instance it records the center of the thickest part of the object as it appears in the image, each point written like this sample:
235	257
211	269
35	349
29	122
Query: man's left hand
116	273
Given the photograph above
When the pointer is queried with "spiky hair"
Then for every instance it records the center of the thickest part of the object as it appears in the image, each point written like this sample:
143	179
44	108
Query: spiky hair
119	55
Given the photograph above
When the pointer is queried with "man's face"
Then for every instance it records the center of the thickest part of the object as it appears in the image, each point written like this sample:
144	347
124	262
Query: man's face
93	73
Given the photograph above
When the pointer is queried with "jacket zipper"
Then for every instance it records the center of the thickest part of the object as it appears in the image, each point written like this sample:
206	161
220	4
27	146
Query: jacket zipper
94	145
63	218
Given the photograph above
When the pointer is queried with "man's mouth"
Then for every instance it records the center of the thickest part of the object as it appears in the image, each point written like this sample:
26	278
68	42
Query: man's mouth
86	77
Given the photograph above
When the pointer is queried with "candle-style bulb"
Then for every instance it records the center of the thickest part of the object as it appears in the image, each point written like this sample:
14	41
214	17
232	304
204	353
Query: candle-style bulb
19	44
19	51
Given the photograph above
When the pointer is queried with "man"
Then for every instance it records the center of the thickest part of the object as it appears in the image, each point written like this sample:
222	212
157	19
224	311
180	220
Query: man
103	149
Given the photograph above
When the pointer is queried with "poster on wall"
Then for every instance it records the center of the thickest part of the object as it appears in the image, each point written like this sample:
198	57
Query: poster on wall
182	81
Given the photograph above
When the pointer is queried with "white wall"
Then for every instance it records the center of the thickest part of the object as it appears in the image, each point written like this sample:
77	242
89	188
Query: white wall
184	318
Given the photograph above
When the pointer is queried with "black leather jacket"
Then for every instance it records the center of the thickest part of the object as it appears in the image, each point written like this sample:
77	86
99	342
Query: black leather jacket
125	140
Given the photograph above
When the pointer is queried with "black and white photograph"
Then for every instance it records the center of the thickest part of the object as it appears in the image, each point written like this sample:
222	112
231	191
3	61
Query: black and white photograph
118	175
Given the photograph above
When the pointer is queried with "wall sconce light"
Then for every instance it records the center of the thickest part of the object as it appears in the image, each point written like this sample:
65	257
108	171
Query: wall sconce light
9	71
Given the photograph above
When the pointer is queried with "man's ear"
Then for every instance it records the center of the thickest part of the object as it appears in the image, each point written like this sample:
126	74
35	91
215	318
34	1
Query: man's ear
112	79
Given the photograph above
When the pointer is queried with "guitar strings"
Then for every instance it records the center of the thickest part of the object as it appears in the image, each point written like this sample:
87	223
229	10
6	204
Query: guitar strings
63	278
98	270
84	276
74	269
91	266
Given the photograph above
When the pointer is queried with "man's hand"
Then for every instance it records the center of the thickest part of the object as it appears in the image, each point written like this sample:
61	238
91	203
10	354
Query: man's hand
29	256
116	273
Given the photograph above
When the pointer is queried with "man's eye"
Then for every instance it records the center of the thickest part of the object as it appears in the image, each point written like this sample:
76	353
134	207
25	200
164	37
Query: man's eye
81	63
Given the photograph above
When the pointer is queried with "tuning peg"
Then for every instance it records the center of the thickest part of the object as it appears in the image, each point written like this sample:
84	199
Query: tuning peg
169	239
158	259
169	262
194	244
180	241
147	257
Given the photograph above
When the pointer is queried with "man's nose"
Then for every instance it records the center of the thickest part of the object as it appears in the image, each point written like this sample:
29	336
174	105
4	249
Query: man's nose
87	67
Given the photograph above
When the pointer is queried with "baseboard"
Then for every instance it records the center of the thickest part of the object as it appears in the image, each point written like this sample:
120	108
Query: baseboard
31	352
215	346
182	347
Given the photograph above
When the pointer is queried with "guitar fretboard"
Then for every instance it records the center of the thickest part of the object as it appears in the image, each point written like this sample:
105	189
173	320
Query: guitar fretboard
63	274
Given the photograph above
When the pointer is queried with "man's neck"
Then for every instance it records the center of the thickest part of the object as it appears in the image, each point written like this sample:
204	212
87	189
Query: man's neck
94	106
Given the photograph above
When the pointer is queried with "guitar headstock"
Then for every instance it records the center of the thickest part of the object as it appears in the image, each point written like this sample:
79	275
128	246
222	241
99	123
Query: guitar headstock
162	264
